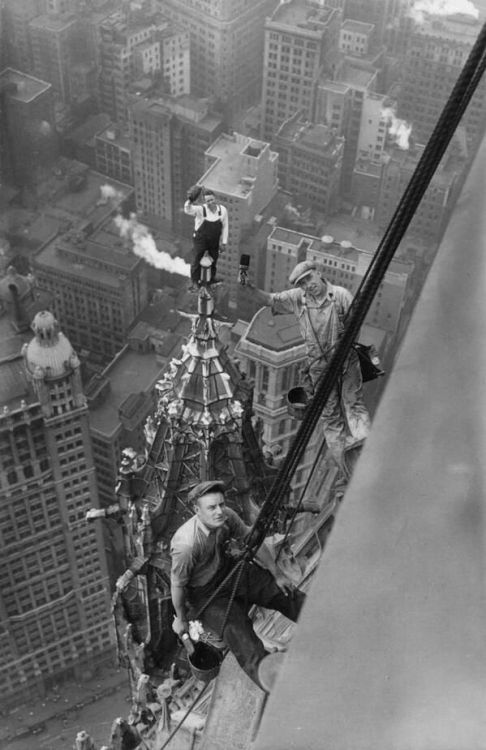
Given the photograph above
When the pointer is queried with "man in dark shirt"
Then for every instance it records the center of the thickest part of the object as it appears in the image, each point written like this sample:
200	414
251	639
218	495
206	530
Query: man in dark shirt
200	565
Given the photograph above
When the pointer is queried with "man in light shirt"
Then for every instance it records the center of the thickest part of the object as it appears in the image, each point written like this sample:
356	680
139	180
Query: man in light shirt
210	230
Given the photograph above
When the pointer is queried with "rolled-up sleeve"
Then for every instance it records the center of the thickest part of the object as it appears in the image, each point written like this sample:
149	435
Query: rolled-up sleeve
286	302
182	564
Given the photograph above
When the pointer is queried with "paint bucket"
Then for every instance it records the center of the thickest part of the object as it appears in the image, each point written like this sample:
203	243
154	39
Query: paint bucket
297	402
203	658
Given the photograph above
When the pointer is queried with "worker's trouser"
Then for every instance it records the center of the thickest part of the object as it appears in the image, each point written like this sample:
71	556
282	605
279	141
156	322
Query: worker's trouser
345	419
206	240
255	586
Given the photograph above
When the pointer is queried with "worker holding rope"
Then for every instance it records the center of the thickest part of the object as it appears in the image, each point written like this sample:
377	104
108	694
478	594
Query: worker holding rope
207	584
320	308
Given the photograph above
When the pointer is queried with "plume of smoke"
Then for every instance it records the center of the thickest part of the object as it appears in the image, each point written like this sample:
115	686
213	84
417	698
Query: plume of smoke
144	246
108	192
442	8
398	129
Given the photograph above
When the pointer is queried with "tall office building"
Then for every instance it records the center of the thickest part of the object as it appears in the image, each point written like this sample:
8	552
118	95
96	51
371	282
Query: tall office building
28	140
54	599
436	52
169	137
301	46
433	212
226	47
57	44
113	154
16	16
309	164
99	286
341	104
242	172
140	46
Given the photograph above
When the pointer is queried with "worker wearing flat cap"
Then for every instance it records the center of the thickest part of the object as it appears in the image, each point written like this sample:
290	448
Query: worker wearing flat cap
320	308
200	565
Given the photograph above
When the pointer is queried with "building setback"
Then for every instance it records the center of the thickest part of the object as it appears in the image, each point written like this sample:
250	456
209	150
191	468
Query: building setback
54	596
301	46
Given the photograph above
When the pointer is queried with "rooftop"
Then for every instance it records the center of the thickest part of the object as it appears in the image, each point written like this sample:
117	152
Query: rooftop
53	23
129	374
449	28
316	136
14	385
357	27
280	234
112	134
357	76
25	88
229	172
92	126
300	14
275	332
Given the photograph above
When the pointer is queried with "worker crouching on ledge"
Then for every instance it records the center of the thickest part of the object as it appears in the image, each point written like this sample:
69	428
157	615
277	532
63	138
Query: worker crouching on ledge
320	308
200	564
210	230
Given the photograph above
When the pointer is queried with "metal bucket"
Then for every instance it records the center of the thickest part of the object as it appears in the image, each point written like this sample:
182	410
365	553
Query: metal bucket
296	402
204	661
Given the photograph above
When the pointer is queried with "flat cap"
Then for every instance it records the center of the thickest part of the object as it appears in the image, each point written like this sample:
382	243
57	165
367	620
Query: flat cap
302	269
204	488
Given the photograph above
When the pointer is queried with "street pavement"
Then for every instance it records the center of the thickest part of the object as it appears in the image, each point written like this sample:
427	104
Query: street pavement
53	722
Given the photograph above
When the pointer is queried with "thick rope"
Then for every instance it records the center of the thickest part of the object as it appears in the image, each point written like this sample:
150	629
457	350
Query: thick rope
448	121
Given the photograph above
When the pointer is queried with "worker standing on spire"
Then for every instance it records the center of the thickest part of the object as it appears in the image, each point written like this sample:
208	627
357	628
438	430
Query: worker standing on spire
210	230
320	308
200	566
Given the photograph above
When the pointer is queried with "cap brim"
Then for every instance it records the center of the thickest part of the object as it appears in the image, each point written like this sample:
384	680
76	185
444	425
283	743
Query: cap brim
302	276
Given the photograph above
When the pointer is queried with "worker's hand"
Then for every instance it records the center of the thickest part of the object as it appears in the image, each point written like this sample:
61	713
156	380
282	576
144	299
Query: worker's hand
222	249
285	584
194	193
180	626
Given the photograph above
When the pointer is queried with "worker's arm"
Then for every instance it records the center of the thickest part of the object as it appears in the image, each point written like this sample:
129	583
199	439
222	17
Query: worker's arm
191	209
181	622
224	223
193	194
263	298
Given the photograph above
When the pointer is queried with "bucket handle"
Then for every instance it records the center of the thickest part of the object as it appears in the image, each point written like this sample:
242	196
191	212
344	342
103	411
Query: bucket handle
188	644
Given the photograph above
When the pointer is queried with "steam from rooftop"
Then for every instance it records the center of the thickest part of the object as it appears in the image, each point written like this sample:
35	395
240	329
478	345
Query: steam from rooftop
144	246
421	8
399	130
108	192
143	243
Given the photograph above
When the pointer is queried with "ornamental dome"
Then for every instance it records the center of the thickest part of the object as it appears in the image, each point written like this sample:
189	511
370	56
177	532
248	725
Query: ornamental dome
49	350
